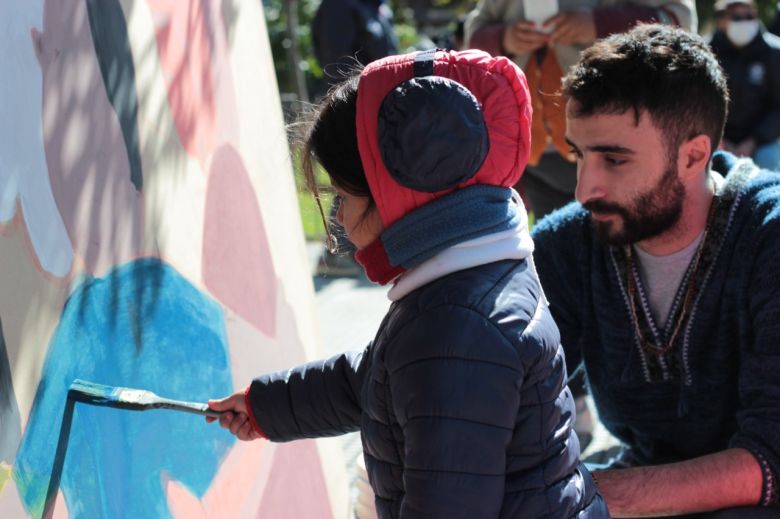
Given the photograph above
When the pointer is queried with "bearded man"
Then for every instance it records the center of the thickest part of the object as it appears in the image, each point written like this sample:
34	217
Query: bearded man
664	280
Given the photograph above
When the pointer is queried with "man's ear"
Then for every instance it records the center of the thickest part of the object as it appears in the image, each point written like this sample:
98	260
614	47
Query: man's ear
694	155
37	42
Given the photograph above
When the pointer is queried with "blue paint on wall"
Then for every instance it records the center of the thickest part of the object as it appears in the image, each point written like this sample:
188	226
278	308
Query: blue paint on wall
145	326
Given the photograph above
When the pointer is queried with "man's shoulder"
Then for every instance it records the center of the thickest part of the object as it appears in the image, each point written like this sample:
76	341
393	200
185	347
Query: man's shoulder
758	190
562	224
772	41
761	195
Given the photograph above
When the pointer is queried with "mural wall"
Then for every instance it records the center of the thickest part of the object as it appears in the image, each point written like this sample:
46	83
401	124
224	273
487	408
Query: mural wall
149	237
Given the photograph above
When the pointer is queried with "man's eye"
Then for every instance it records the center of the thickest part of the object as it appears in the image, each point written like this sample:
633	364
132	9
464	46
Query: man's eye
614	161
575	152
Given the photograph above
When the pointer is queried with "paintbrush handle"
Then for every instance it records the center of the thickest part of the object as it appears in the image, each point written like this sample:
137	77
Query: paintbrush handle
188	407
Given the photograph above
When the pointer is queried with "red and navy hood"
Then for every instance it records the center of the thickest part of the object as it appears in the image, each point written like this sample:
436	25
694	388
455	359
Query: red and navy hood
442	138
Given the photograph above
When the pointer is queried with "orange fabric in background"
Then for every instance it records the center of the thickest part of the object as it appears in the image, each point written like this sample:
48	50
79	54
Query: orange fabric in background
549	108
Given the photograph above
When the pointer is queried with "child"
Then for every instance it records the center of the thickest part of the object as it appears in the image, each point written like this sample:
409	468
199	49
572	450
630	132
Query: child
461	399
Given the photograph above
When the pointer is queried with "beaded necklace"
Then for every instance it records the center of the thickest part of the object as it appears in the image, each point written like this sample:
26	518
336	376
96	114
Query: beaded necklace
688	300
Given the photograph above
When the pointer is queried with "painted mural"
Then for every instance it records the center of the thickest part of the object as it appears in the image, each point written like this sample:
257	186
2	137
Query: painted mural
149	237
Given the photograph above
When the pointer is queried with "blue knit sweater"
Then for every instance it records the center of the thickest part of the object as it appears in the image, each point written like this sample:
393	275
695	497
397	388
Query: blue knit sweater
719	385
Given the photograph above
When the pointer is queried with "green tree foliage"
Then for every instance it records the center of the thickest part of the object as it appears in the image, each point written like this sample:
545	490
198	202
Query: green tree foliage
281	42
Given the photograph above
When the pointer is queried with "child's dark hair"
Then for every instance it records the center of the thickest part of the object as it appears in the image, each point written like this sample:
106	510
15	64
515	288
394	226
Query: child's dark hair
668	72
330	138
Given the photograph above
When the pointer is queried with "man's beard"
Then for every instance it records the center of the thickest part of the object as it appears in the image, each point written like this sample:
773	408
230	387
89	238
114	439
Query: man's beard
649	215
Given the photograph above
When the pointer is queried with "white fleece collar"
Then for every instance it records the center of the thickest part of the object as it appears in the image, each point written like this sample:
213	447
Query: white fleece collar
511	244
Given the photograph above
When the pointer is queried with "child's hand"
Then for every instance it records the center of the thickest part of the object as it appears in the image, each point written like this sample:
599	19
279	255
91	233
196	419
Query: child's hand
234	416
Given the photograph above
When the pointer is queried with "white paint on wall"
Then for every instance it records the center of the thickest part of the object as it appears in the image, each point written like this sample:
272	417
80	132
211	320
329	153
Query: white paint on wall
23	172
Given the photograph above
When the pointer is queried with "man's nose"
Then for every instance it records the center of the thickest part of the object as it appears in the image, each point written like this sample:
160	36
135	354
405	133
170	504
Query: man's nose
590	181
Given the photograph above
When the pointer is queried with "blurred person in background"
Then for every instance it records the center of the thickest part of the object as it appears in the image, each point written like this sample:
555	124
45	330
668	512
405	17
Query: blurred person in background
346	33
750	57
774	26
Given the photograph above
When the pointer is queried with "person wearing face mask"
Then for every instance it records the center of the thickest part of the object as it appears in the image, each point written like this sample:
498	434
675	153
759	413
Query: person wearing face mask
750	56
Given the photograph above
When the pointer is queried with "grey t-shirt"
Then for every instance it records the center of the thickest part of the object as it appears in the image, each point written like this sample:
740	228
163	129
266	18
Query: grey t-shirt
661	277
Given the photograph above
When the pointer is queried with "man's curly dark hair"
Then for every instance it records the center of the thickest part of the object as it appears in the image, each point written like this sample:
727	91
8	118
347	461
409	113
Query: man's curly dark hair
665	71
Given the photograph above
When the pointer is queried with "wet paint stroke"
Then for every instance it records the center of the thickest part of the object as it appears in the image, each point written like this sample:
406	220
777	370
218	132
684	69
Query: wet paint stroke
237	264
10	425
182	354
112	46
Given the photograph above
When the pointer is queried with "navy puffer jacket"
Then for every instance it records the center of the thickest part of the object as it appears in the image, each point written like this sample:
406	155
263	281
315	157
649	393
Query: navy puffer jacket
461	400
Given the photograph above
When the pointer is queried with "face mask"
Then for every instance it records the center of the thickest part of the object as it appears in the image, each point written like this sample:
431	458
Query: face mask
741	33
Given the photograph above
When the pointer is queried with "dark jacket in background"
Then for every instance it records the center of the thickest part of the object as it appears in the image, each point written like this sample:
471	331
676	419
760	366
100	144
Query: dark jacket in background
346	31
774	25
464	378
753	74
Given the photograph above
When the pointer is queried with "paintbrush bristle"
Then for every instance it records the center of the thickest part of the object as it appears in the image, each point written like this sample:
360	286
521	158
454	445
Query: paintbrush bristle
98	394
90	392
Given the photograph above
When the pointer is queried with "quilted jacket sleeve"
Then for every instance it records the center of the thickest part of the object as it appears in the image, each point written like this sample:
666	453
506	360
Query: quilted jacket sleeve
455	384
321	398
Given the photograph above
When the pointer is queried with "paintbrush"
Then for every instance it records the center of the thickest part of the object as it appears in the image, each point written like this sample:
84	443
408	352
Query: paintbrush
132	399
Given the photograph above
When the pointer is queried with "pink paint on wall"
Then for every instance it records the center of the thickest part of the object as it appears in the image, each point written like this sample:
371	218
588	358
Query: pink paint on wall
60	508
182	502
10	502
186	52
235	492
237	265
296	484
85	150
